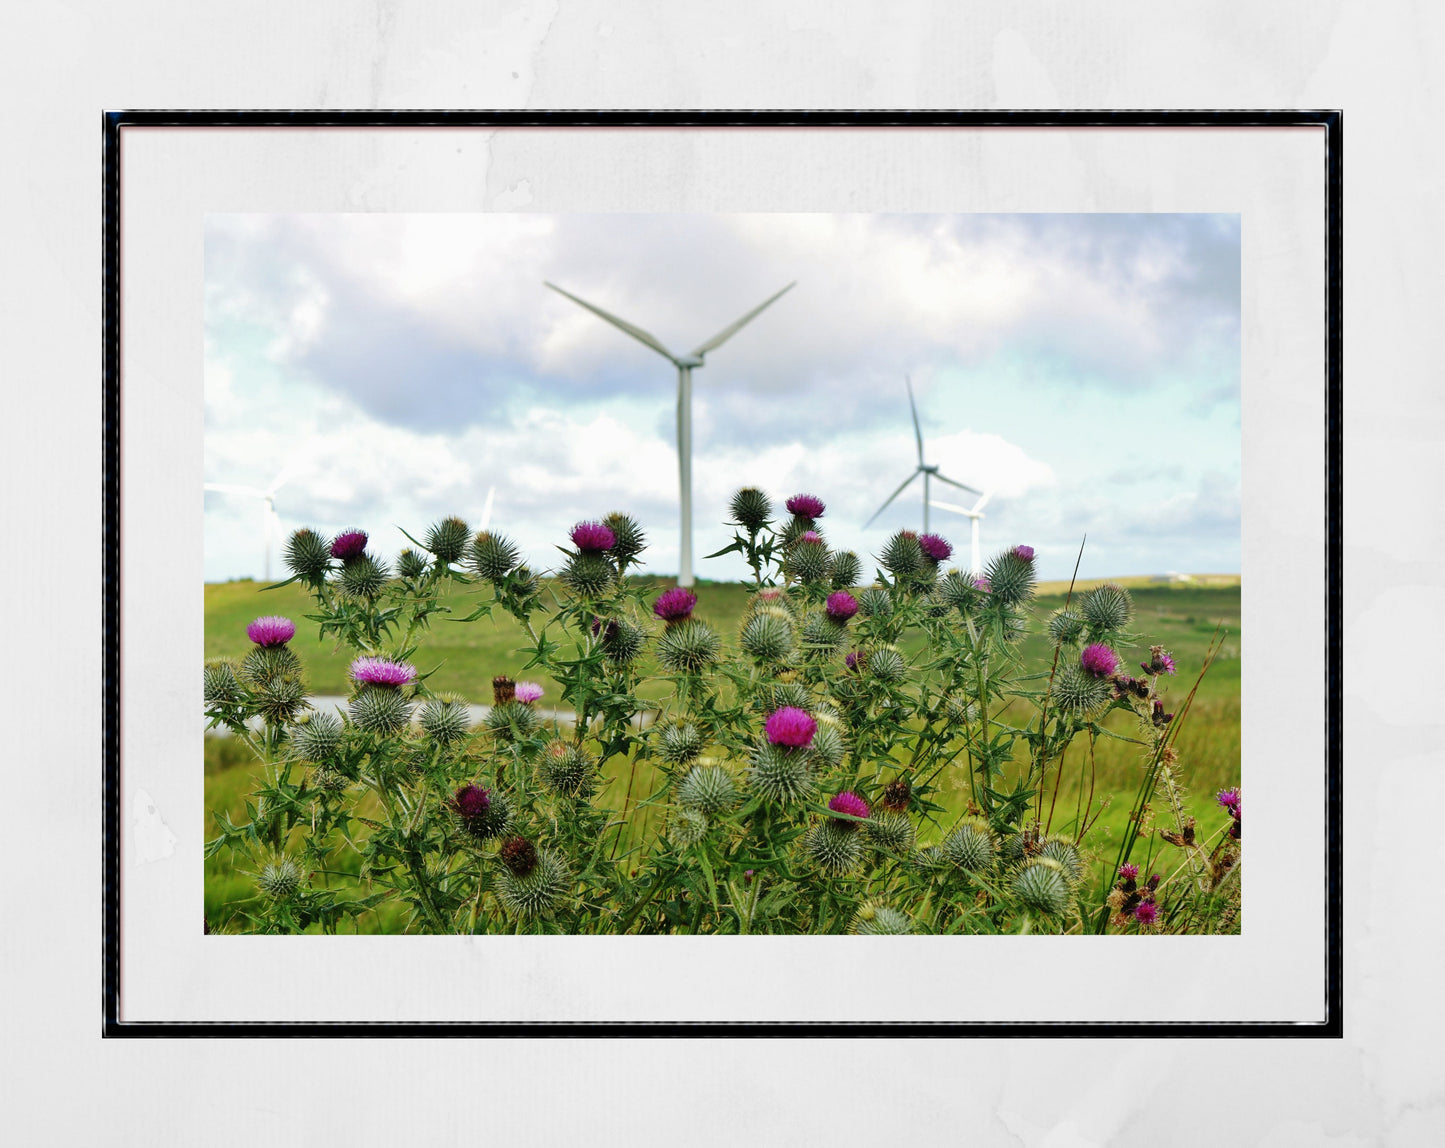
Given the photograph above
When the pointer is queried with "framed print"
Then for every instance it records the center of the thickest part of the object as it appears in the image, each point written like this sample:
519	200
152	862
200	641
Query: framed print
472	670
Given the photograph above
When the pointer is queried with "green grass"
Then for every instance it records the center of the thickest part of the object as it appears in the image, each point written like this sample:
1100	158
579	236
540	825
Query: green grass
1182	617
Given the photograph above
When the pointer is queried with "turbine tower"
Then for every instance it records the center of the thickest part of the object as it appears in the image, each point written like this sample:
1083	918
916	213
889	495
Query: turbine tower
685	364
928	471
976	513
270	520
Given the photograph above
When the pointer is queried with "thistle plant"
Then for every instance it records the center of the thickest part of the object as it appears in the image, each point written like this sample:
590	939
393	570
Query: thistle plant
868	752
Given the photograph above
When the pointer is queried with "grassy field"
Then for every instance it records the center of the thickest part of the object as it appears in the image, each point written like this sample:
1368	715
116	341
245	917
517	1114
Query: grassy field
1181	616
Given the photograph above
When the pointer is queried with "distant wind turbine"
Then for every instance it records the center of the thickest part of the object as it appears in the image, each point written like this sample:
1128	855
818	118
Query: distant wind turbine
976	513
271	522
929	472
685	364
487	509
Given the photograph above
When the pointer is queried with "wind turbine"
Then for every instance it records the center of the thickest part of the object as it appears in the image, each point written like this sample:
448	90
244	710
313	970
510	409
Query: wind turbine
685	364
487	509
929	472
271	521
976	563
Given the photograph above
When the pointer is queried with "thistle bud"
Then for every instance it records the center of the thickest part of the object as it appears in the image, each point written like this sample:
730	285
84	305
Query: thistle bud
897	794
280	878
902	556
503	690
875	602
688	648
679	743
708	788
969	846
316	737
780	775
447	540
493	556
874	920
445	721
751	508
844	569
308	556
1042	886
767	636
1011	578
588	574
689	826
568	770
1106	610
363	577
410	564
379	709
628	539
833	846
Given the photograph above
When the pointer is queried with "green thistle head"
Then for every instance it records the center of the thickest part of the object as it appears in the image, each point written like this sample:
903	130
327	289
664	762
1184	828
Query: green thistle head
688	648
630	541
363	577
1078	693
1066	627
1010	578
379	709
448	540
316	737
220	682
484	824
281	877
807	561
828	745
956	591
410	564
1042	887
751	508
622	641
969	846
1106	610
688	827
768	635
445	721
536	891
265	664
834	847
875	602
511	722
568	770
677	744
280	700
780	694
780	774
822	637
308	556
708	788
903	556
844	570
588	574
887	665
1066	853
494	556
874	920
889	831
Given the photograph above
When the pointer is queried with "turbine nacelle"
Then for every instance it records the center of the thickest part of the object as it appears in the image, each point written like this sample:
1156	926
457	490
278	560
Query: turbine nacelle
929	471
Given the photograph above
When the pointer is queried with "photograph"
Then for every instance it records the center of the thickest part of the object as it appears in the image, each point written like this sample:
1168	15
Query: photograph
701	574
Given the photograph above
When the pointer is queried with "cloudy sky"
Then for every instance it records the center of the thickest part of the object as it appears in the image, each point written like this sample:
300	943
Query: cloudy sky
1083	368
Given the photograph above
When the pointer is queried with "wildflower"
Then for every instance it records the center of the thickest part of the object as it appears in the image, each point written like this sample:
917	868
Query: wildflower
851	661
748	876
1024	553
770	593
1159	717
607	624
841	606
272	630
1099	660
1146	912
472	801
935	547
1128	871
518	854
503	690
348	545
982	584
806	506
850	803
675	605
528	692
592	537
1159	662
382	672
1229	799
791	726
810	536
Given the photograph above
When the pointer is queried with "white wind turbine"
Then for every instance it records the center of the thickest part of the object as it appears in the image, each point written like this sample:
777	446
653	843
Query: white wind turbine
928	471
271	522
487	509
685	364
975	513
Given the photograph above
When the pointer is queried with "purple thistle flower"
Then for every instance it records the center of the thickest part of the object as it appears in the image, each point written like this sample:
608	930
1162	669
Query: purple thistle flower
1229	799
1099	660
1024	553
770	593
592	537
849	802
675	605
841	606
935	547
811	536
471	801
806	506
1159	662
982	584
851	661
348	545
1128	871
791	726
272	630
1159	717
382	672
747	876
528	692
1146	912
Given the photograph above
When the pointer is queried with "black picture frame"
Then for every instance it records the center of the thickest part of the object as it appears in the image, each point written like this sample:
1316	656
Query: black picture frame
114	122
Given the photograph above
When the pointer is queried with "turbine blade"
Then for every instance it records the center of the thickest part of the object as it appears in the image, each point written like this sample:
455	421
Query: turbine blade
728	332
982	502
891	497
621	324
917	434
960	485
487	509
948	506
231	488
288	472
